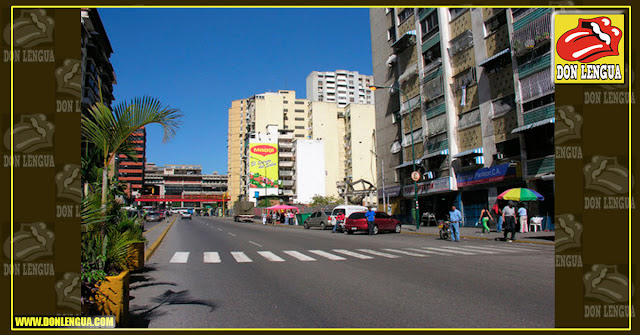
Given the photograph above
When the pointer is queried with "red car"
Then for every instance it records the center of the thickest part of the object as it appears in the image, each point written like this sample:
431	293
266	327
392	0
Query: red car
382	222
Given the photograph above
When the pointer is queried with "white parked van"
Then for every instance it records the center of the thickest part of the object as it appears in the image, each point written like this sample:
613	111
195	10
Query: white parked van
346	210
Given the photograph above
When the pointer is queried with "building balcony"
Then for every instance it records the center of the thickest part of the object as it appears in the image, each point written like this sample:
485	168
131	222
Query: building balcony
286	154
285	173
287	183
285	164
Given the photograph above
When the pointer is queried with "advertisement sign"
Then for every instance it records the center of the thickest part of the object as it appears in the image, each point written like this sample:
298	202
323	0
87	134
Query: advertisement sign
486	175
432	186
263	165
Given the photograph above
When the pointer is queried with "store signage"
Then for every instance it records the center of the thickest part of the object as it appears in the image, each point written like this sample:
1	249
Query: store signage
485	175
432	186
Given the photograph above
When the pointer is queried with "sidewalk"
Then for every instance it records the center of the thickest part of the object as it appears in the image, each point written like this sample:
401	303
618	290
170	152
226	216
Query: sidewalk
475	232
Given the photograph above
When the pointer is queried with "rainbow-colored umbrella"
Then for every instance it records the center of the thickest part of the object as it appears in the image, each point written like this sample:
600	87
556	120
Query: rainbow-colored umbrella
520	194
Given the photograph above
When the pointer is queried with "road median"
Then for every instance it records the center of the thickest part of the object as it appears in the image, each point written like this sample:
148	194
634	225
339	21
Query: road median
149	252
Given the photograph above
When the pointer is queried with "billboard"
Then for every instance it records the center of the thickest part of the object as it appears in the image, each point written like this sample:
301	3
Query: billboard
263	165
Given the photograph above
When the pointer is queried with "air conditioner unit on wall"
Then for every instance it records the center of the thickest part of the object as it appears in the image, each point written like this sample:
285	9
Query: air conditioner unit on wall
428	175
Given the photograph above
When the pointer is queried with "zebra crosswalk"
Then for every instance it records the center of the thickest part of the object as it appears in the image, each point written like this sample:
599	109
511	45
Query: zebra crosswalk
313	255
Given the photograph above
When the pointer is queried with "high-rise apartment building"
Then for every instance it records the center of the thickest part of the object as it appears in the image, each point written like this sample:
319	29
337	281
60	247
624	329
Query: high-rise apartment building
475	106
96	50
340	87
130	170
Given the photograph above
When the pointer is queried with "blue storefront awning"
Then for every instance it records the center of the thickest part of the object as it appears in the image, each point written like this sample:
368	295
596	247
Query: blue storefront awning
437	153
474	152
534	125
405	164
496	56
486	175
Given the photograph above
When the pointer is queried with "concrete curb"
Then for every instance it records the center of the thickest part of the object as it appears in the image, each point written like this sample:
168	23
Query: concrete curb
480	238
149	252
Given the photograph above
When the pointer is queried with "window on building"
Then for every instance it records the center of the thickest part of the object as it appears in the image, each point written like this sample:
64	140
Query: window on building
396	176
285	110
466	78
429	24
391	34
352	100
299	102
388	10
299	127
299	110
432	55
495	23
404	15
286	101
455	12
299	119
299	135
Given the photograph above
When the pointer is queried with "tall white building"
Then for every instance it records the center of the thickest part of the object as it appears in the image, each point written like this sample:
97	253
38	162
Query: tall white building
310	170
340	87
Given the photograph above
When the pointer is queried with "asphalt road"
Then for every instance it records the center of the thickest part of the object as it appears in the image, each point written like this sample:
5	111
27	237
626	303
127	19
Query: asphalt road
215	273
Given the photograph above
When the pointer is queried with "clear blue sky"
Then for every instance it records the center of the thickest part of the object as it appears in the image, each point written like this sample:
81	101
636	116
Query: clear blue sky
199	60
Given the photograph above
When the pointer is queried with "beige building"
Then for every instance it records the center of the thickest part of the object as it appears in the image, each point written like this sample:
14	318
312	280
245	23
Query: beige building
251	116
347	135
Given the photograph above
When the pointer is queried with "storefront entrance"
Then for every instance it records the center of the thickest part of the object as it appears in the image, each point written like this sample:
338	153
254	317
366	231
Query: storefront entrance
473	202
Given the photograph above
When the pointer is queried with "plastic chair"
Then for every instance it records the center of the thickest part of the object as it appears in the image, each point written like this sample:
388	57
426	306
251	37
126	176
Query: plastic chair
536	223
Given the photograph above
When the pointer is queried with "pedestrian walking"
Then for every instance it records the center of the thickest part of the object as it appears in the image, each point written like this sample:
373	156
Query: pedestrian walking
264	218
498	212
274	217
509	218
292	218
286	218
339	220
281	217
522	217
371	216
455	217
485	216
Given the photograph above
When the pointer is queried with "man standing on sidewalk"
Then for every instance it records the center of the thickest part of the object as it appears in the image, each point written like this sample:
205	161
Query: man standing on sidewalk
371	216
455	217
509	216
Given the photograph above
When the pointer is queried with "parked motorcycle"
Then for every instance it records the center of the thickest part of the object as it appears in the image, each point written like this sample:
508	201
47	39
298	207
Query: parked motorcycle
444	229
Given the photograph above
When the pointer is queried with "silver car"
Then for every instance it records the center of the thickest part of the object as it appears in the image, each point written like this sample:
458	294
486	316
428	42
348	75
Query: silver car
320	219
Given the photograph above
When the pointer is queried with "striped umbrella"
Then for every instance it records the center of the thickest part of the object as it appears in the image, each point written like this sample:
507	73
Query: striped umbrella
520	194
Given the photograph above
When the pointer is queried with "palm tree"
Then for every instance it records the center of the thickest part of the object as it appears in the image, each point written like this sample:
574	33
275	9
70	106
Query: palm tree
110	130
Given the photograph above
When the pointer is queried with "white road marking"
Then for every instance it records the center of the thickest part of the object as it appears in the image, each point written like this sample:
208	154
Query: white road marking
429	252
219	229
352	254
179	257
231	234
378	253
299	255
211	257
255	243
472	250
241	257
270	256
491	249
327	255
447	250
406	253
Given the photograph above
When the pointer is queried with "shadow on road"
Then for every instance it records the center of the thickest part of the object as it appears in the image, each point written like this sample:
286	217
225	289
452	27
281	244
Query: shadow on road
142	315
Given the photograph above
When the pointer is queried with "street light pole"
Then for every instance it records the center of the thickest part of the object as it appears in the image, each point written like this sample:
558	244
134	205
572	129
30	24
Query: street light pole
413	150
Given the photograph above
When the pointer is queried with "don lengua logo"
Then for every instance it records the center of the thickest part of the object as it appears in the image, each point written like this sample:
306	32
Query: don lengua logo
604	283
569	234
589	49
33	132
68	77
68	182
568	124
68	291
32	241
33	27
604	174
